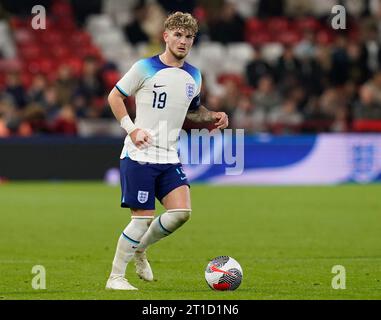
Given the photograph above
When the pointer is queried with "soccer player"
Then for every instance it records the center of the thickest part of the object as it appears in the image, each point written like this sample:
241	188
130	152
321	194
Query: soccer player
166	90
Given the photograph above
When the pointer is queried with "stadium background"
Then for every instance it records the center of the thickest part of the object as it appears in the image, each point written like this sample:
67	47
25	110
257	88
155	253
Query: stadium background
308	97
275	67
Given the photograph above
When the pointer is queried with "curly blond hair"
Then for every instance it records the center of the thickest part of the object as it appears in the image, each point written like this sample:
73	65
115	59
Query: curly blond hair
181	20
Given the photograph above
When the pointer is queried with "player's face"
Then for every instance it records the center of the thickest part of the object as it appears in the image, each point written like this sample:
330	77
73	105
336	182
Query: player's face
178	42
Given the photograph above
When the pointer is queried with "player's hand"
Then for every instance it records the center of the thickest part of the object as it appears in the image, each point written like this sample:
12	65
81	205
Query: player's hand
222	120
141	138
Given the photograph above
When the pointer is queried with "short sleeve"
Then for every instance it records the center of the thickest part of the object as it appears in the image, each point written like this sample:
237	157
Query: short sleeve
196	101
131	81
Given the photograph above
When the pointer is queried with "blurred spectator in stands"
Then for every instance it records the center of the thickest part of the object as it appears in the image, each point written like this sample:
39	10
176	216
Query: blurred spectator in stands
270	8
369	106
231	94
65	84
178	5
12	123
65	122
340	120
134	31
23	7
313	76
285	118
6	109
228	26
324	62
257	68
288	67
90	83
370	35
374	87
35	117
81	9
243	115
80	106
15	89
355	8
322	9
49	102
331	99
37	88
299	95
266	97
153	27
298	8
306	48
4	131
358	71
340	61
315	119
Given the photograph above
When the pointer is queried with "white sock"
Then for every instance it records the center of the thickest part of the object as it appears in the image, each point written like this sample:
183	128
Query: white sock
128	243
163	226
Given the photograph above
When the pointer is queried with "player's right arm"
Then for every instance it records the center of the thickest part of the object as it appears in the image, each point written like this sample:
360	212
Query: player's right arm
129	83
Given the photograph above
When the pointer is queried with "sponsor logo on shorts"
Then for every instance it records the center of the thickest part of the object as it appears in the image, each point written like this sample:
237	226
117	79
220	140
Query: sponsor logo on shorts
143	196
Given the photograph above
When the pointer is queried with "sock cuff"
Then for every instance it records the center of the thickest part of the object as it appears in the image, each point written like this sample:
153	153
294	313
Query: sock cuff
142	217
179	210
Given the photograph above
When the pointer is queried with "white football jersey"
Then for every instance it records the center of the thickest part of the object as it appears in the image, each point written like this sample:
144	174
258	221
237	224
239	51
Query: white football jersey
163	95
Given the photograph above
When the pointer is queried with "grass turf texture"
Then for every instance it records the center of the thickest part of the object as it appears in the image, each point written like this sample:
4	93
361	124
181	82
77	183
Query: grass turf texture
287	239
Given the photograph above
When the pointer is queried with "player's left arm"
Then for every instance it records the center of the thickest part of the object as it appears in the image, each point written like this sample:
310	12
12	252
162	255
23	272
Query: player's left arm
202	114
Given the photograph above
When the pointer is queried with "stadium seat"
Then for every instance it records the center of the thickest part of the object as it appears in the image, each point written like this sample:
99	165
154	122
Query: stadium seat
288	37
272	51
277	24
75	64
307	23
99	22
365	125
110	78
30	51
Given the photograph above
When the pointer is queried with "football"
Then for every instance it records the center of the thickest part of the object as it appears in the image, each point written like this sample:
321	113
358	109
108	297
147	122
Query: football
223	273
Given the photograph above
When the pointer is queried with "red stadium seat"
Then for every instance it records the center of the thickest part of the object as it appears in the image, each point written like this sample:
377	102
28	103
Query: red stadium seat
253	27
259	38
365	125
26	79
61	8
76	65
60	52
237	78
324	37
288	37
30	51
307	23
277	24
16	23
80	38
110	78
23	36
52	37
254	24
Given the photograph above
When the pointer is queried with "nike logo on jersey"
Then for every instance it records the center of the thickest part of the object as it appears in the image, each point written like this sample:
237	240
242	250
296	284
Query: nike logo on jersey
158	85
183	178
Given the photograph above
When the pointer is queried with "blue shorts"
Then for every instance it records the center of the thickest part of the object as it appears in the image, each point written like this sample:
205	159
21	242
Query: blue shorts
141	183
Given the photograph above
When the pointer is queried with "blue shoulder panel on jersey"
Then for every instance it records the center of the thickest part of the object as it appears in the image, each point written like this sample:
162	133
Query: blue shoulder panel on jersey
152	65
194	72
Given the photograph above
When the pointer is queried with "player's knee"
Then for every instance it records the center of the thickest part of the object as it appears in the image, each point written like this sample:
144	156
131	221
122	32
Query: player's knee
182	215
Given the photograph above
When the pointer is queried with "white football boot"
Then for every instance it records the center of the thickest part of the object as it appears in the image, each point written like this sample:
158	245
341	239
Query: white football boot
119	283
143	268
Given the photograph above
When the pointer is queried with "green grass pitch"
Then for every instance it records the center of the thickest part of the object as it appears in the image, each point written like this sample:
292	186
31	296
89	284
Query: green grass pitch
287	239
